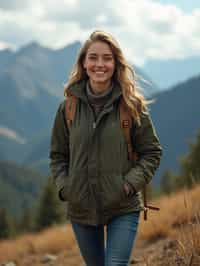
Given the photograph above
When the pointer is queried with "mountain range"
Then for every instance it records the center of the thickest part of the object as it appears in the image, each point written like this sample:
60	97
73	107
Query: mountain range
31	83
176	115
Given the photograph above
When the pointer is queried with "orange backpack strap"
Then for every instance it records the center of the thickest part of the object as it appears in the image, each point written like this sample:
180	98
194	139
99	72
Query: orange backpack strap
126	123
70	109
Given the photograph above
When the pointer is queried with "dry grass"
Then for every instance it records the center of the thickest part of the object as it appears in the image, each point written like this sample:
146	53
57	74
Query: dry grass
51	240
178	209
178	218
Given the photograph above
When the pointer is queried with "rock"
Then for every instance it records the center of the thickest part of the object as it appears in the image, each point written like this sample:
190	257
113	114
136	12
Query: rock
135	260
179	261
10	263
47	258
171	244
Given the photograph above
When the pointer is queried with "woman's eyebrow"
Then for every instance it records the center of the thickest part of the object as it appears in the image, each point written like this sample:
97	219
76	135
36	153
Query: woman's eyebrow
91	53
110	54
106	54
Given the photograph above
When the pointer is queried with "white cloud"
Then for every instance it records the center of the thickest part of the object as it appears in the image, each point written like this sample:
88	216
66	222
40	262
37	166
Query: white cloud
150	29
144	28
4	45
11	134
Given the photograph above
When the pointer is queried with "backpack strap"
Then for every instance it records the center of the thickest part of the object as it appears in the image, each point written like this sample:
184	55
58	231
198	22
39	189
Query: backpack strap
126	123
70	109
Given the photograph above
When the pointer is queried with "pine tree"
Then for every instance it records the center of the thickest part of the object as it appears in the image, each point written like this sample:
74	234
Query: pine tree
6	228
26	223
190	166
50	210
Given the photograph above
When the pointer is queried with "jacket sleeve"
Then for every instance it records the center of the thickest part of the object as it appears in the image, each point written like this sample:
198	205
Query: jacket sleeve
148	148
59	150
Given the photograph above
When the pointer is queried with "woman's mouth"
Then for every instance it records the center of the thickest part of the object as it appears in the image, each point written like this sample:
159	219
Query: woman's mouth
99	72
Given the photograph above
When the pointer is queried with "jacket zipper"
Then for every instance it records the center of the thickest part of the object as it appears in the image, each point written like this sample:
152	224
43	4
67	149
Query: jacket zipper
96	197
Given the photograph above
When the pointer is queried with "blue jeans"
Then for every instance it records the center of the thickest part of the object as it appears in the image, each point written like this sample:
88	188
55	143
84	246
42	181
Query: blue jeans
120	231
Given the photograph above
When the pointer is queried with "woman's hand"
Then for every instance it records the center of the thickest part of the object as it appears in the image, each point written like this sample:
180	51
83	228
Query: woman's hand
129	189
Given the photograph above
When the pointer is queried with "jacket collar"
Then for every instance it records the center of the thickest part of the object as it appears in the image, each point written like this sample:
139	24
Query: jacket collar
79	90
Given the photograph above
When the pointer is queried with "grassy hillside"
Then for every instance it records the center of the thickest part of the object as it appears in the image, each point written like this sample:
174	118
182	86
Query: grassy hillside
169	237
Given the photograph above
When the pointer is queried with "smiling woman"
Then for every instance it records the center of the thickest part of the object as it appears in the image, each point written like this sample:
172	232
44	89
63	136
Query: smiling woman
90	159
99	64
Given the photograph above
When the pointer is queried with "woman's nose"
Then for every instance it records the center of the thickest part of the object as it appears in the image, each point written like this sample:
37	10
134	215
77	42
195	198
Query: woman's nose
99	62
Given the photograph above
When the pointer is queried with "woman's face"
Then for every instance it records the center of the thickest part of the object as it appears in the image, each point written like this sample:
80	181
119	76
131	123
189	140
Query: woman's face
100	65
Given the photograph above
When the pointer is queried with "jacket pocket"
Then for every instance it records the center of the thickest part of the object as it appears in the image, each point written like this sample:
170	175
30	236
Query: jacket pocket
64	193
113	192
78	192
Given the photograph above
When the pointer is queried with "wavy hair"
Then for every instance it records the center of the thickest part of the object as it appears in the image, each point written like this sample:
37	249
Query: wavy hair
124	74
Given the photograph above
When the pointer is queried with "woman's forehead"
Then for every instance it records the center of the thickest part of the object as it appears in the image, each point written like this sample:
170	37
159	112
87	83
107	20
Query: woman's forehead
99	48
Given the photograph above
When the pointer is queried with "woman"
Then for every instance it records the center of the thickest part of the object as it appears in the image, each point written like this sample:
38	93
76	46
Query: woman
89	159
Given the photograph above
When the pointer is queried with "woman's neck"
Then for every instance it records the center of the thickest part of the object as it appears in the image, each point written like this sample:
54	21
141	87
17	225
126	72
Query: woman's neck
98	88
94	96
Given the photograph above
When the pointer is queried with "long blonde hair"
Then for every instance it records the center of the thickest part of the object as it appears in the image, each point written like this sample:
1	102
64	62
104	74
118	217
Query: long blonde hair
124	74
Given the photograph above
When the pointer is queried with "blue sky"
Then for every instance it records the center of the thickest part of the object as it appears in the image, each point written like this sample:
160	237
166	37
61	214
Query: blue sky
144	28
186	5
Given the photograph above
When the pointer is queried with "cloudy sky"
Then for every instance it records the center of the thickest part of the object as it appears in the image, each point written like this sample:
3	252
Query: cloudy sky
144	28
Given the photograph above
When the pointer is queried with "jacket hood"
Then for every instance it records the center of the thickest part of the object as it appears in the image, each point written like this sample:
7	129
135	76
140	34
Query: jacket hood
79	90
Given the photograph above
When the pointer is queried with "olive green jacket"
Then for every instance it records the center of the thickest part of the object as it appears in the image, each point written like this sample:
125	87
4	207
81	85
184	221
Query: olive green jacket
89	161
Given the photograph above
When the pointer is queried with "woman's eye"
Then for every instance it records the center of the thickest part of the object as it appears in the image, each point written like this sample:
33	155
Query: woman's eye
92	57
108	58
105	59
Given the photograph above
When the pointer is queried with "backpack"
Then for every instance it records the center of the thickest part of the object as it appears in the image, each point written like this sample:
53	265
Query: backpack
126	123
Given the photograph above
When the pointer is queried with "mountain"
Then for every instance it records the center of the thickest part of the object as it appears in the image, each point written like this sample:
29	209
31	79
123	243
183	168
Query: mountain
37	151
31	116
5	58
176	115
52	66
32	82
20	187
167	73
31	85
12	144
24	113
